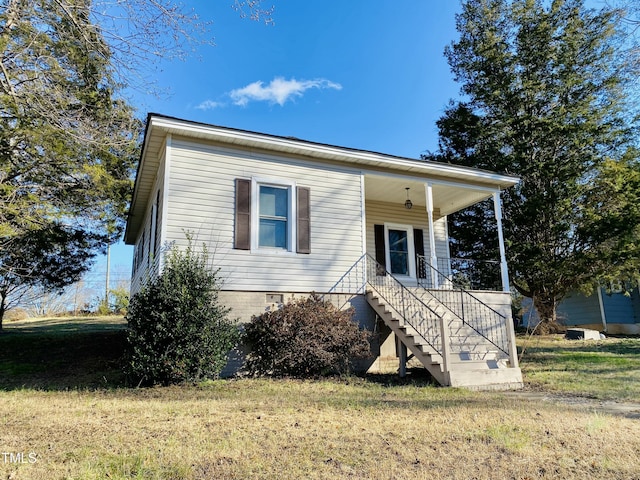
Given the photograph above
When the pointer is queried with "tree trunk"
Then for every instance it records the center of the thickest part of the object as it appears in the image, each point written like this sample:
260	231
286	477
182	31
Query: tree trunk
546	307
3	307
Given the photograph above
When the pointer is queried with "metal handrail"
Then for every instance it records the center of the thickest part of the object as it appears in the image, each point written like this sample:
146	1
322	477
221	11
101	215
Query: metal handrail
467	273
417	314
366	271
352	282
473	312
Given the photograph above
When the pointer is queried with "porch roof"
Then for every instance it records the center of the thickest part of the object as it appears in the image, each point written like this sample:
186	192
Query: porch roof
448	196
454	186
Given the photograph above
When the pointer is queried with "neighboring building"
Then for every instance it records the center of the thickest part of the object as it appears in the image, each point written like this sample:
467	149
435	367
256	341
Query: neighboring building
615	310
285	217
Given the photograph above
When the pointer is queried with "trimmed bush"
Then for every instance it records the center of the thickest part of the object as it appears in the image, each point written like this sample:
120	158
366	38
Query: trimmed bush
308	337
178	331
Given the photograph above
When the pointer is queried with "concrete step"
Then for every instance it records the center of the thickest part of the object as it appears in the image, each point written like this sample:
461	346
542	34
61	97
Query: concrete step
457	364
473	362
461	345
486	379
478	356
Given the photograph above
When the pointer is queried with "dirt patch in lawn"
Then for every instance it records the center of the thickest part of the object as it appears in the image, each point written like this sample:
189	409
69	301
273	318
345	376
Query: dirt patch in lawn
626	409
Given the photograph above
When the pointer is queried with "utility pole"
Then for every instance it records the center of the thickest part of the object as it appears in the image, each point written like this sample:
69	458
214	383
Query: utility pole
106	289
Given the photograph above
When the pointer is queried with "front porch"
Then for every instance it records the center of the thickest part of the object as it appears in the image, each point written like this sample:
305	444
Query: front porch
451	315
406	231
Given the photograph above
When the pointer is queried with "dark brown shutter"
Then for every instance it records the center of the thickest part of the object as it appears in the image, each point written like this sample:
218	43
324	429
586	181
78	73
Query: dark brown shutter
242	239
381	256
418	242
157	232
303	220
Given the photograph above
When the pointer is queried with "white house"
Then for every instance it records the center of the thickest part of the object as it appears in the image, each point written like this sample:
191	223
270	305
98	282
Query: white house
285	217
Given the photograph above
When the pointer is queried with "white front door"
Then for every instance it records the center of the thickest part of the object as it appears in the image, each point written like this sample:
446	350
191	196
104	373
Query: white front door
400	251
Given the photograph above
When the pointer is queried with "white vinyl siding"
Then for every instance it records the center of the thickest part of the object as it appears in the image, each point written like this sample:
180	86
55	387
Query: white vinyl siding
379	213
201	200
149	257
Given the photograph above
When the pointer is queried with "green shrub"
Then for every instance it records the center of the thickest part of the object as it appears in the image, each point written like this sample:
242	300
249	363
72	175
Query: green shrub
178	331
308	337
119	300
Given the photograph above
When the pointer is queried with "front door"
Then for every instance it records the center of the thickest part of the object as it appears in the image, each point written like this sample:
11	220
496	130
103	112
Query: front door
400	250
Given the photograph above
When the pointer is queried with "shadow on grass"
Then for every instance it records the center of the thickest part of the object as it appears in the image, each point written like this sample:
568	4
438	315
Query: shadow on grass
627	347
62	354
607	369
418	377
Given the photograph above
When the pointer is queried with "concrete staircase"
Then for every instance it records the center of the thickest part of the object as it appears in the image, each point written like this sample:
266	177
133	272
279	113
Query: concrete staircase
453	352
460	340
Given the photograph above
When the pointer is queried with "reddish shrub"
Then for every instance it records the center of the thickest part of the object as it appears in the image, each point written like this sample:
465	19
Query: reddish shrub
305	338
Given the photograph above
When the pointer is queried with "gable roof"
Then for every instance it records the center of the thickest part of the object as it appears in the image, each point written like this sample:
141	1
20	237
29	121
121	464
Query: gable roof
158	126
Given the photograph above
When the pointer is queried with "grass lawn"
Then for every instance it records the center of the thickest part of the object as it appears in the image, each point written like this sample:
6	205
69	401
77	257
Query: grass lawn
606	369
65	404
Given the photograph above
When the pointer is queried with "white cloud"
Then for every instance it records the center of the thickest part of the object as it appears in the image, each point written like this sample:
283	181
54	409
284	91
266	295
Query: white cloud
209	105
279	90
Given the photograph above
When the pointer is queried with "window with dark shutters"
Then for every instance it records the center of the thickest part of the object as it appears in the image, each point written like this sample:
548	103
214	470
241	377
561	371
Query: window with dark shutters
269	220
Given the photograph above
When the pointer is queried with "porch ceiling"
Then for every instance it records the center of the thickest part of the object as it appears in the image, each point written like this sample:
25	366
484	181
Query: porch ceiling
447	197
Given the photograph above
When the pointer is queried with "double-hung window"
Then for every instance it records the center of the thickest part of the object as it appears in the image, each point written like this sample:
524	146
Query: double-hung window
274	216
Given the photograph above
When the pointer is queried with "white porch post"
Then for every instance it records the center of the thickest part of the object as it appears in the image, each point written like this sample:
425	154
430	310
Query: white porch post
497	204
432	236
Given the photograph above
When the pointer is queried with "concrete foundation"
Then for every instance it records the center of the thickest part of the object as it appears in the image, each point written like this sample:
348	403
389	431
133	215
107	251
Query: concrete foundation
246	304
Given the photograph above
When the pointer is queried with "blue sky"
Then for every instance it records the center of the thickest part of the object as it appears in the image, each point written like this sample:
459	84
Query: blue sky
366	74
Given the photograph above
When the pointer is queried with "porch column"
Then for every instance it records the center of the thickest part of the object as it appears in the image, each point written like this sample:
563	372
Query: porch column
402	370
497	205
432	236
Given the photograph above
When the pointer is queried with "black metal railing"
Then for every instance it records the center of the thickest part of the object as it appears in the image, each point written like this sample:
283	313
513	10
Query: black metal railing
352	283
462	272
416	313
410	308
473	312
413	310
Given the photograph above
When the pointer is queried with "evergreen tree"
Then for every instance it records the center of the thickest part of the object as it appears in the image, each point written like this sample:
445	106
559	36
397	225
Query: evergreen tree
546	98
68	139
67	144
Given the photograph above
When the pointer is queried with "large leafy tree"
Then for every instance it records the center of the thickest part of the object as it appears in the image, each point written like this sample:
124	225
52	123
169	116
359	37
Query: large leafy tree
545	97
68	138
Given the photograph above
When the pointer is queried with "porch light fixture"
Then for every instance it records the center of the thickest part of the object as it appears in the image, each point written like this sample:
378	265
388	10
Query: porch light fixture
408	204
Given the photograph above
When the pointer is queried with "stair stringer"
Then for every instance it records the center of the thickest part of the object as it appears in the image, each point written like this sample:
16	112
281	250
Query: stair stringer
484	369
421	350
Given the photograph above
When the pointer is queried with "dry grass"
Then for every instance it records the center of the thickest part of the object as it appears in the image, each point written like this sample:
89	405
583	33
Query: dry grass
376	428
291	429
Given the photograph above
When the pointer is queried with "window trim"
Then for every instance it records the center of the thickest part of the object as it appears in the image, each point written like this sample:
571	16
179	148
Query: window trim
290	186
